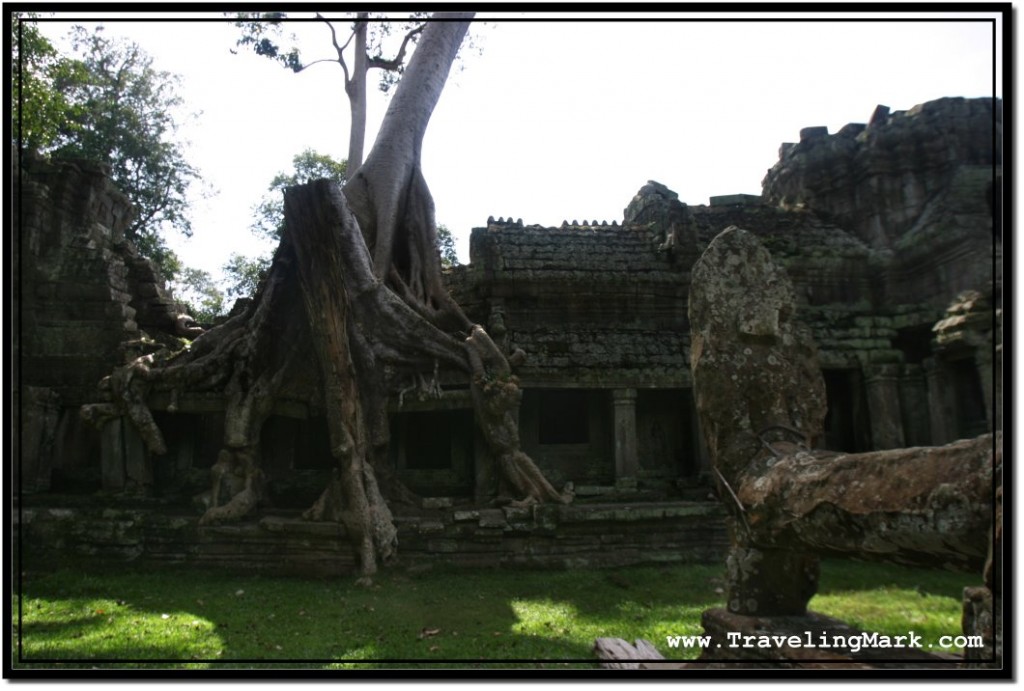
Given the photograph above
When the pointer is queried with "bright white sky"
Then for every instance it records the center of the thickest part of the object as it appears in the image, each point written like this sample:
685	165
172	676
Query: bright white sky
562	119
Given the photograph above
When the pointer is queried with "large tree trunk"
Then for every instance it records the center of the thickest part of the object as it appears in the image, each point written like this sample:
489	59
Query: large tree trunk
355	89
388	194
352	497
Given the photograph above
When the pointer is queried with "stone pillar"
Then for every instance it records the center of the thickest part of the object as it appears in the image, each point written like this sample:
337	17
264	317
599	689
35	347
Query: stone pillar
39	409
112	456
125	462
700	446
485	482
940	408
914	404
138	464
882	383
986	375
626	455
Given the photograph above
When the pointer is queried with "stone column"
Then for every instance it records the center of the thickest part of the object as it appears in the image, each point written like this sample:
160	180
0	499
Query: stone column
700	447
882	383
485	482
112	456
914	403
125	463
39	409
940	410
986	375
138	464
626	457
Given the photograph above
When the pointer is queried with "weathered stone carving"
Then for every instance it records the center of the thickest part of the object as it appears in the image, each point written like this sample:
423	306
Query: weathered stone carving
762	403
919	188
658	208
761	400
755	375
879	183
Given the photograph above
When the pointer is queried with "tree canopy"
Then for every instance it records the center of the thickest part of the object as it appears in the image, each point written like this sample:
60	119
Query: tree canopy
308	165
244	273
39	109
201	295
107	103
374	41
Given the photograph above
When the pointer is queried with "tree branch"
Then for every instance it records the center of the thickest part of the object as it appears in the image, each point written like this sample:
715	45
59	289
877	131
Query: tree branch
395	63
339	49
317	62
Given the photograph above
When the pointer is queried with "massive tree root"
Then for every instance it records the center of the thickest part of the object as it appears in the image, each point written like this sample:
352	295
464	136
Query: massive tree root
249	360
363	264
496	398
365	329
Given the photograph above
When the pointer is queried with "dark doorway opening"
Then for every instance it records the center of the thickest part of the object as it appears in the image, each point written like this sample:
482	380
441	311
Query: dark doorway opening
847	425
563	417
971	418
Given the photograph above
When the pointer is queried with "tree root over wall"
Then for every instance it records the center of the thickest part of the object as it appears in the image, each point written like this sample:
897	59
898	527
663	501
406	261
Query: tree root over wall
353	308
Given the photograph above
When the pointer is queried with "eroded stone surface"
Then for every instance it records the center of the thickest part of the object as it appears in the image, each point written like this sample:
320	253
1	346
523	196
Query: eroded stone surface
754	365
770	582
879	181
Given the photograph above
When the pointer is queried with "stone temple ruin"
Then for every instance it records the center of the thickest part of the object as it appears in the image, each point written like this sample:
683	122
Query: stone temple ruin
889	231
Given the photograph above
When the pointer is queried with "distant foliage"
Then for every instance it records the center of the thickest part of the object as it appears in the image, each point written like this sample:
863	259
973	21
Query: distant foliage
243	274
40	110
200	294
446	246
107	103
307	166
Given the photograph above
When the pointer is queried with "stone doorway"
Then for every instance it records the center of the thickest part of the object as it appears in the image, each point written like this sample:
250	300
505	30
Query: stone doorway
847	423
666	435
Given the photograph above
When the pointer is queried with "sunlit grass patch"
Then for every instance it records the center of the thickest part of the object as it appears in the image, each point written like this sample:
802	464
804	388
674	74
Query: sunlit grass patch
894	600
112	629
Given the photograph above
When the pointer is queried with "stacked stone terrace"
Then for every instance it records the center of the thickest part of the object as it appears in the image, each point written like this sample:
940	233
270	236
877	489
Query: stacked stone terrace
596	304
84	298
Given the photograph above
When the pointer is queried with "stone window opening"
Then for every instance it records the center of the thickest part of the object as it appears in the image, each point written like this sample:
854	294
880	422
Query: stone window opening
563	417
433	451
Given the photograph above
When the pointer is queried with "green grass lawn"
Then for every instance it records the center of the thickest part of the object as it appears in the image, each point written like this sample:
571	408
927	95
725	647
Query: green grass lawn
203	619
